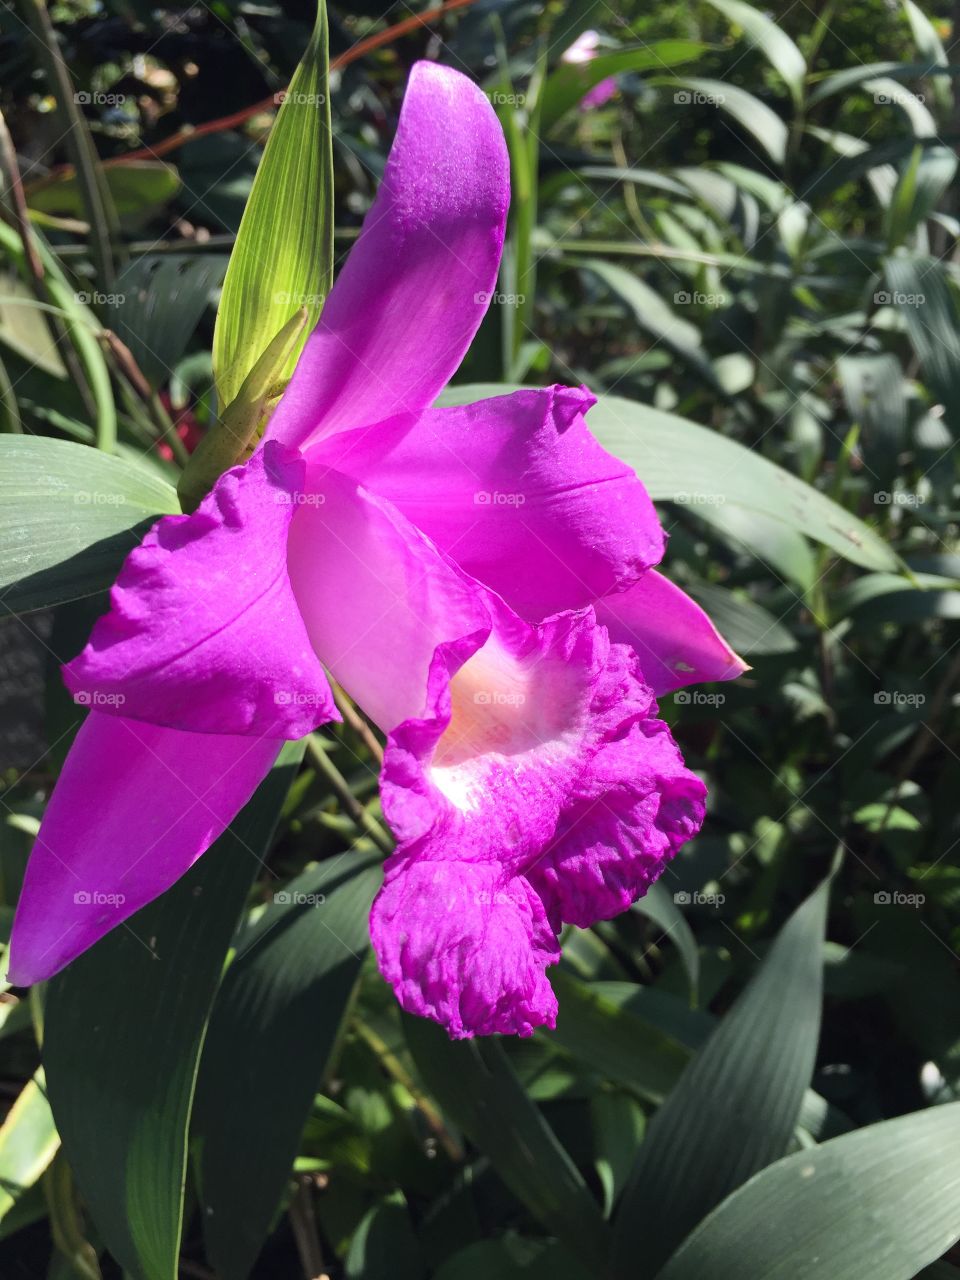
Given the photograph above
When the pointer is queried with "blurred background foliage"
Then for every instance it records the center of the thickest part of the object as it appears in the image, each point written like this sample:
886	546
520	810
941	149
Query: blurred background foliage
756	232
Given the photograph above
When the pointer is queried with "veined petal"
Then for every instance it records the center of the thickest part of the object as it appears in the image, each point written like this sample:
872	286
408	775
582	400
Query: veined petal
518	492
539	787
417	282
378	599
467	946
134	808
204	633
676	642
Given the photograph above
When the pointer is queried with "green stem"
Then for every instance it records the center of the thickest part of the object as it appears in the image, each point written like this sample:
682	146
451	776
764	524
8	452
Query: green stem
319	757
94	192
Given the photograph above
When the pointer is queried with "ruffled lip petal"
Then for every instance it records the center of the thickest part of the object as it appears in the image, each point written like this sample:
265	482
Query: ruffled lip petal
134	808
204	633
541	773
517	491
467	947
417	283
676	642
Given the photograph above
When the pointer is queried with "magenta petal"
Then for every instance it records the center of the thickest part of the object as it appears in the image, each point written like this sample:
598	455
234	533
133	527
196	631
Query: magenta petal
377	597
466	946
625	815
417	283
539	783
676	642
518	492
134	807
204	633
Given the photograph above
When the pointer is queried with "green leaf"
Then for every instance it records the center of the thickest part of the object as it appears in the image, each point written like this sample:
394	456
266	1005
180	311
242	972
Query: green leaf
850	77
773	543
658	905
28	1142
295	969
888	92
762	123
927	176
918	289
478	1089
123	1032
930	47
656	316
568	84
385	1246
137	187
735	1107
153	289
676	457
68	516
772	41
747	626
283	256
857	162
878	1204
594	1029
82	327
875	392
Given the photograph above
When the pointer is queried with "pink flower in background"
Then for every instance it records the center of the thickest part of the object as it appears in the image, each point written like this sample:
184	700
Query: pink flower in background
478	578
584	49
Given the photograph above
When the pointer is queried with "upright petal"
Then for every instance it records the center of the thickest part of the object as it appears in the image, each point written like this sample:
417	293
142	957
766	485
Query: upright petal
204	633
517	491
417	282
676	642
134	808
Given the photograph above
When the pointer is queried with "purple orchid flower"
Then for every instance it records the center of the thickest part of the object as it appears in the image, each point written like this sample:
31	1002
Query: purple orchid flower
478	579
584	49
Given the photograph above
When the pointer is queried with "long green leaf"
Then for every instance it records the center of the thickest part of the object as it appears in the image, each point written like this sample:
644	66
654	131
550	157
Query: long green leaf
762	123
123	1032
918	289
153	289
283	256
656	317
68	516
567	85
28	1142
274	1025
659	905
878	1204
735	1107
772	41
476	1086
